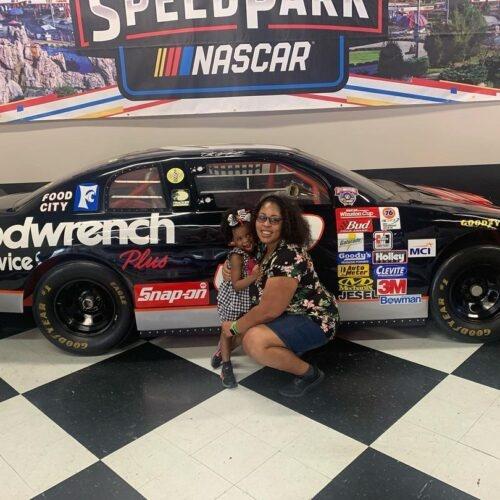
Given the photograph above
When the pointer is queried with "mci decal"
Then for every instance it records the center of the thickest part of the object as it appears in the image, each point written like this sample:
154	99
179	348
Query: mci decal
217	48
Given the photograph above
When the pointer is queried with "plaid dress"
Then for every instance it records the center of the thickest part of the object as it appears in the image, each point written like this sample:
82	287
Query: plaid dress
231	304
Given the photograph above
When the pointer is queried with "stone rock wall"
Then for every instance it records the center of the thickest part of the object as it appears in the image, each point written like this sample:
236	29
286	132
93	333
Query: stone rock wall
26	69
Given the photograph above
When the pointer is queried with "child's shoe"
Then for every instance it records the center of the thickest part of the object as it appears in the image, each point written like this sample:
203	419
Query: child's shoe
227	375
216	359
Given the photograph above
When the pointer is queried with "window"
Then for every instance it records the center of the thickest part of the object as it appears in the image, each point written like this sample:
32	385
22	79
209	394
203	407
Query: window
246	182
137	189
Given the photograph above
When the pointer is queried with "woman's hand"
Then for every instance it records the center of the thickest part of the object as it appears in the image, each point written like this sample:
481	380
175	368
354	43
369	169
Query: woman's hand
256	272
226	272
226	325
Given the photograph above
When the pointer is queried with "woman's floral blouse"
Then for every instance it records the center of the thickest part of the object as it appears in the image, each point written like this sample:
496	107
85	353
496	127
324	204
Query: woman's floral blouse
310	298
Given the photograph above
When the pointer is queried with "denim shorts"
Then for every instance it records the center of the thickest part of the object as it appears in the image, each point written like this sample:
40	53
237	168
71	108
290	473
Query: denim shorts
298	332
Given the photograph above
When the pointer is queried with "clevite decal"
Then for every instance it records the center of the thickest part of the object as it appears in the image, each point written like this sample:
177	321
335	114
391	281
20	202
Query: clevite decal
88	233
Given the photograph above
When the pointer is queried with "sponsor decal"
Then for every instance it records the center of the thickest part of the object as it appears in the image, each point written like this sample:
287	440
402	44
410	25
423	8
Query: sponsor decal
357	295
354	226
187	294
422	248
353	242
216	48
483	223
353	270
350	257
175	175
355	284
400	299
389	257
346	195
86	198
390	271
389	218
357	213
180	198
142	260
88	233
391	287
382	240
55	202
13	263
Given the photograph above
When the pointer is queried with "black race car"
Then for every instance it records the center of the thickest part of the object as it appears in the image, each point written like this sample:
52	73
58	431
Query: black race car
136	242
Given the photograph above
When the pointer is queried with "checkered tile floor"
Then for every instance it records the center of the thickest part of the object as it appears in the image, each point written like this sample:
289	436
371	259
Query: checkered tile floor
401	414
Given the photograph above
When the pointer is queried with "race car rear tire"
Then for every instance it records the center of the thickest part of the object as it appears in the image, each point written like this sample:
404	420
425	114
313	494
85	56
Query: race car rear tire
83	307
465	294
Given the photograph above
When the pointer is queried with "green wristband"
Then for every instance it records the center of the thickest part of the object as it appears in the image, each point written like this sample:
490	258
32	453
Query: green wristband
234	328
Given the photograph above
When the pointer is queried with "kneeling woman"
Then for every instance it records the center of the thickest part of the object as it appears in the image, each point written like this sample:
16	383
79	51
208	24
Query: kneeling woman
292	312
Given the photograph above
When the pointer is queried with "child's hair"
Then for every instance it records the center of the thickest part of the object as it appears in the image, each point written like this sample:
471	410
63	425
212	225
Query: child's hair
233	218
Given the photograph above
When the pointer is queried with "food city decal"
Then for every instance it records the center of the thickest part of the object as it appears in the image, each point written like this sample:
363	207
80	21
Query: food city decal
217	48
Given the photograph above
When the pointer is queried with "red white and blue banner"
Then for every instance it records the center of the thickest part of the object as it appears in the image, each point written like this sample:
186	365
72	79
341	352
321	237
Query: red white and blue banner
72	59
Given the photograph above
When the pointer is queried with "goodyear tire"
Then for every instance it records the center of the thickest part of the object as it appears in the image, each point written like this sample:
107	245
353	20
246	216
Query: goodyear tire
465	294
83	308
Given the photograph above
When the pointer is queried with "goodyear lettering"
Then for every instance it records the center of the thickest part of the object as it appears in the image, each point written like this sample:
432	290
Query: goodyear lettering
482	332
481	223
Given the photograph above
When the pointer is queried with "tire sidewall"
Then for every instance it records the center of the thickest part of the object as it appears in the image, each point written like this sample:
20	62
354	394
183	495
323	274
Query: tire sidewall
441	307
57	333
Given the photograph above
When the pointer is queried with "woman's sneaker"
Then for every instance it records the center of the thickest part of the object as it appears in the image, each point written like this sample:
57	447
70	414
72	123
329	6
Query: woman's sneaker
227	376
216	359
300	385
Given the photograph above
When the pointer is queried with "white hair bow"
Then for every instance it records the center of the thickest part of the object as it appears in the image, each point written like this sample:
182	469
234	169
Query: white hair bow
242	216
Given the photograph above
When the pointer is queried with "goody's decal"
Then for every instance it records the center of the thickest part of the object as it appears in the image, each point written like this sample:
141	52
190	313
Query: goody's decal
86	198
390	271
353	257
213	48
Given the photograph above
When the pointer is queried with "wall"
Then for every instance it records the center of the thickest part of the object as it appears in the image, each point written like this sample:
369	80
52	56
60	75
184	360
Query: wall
396	138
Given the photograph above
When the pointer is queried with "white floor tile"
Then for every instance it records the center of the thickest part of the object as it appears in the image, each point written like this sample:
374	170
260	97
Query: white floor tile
194	429
484	435
283	477
423	345
471	471
414	446
29	360
324	450
235	493
452	407
39	450
235	454
12	487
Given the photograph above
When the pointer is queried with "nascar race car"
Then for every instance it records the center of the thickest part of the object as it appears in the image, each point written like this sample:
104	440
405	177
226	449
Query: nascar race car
135	242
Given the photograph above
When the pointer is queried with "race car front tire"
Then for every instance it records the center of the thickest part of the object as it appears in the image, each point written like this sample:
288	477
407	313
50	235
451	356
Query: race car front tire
83	307
465	294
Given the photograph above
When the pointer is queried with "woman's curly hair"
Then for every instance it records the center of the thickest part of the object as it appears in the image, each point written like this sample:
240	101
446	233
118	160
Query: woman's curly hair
295	229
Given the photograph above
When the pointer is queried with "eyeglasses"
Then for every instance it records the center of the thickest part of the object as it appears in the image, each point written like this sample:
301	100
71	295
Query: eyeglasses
274	220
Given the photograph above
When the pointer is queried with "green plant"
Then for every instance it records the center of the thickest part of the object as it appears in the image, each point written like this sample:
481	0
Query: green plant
468	73
416	67
65	90
391	63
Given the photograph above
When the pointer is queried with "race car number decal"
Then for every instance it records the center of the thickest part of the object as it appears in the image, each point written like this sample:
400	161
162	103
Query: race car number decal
155	295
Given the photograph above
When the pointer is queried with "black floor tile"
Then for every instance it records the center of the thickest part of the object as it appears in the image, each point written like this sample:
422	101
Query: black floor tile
97	482
375	475
6	391
364	391
107	405
12	324
483	366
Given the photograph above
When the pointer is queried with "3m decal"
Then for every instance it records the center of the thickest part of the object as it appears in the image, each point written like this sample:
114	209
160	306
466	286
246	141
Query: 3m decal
391	287
353	242
353	270
352	257
88	233
86	198
354	225
187	294
483	223
422	248
56	202
357	213
346	195
389	218
180	198
389	257
390	271
142	260
355	284
357	295
12	263
400	299
382	240
175	175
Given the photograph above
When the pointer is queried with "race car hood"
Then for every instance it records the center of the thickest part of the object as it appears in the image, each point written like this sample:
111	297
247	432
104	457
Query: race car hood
453	195
8	201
